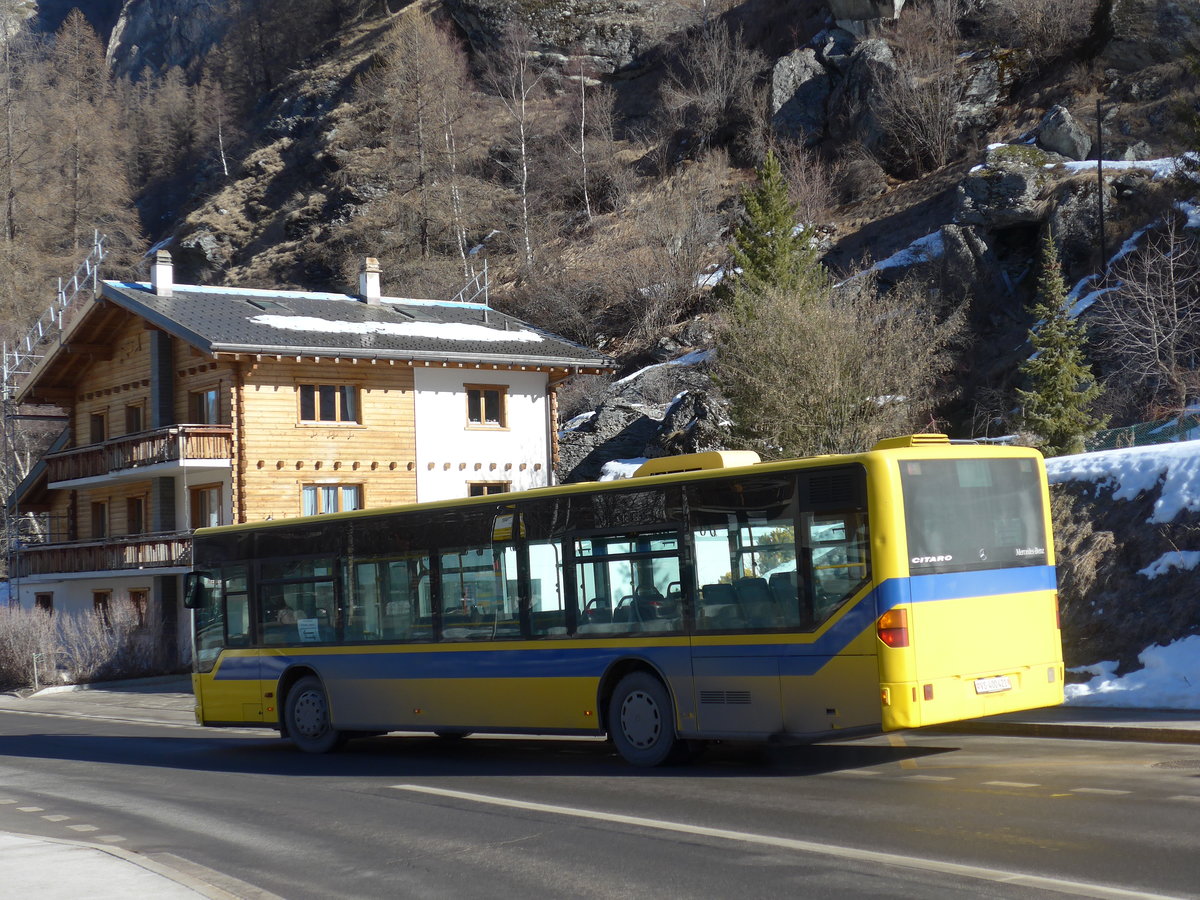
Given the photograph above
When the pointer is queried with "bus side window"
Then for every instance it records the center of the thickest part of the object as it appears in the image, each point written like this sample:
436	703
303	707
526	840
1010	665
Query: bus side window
839	547
547	593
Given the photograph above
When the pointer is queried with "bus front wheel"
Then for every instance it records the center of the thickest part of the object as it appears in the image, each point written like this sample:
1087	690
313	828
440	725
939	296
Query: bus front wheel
307	716
641	720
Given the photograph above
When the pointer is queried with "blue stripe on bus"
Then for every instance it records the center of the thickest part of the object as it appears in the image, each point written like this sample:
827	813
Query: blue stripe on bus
561	660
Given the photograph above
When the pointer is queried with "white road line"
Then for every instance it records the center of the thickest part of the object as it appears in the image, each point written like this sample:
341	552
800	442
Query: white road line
1065	886
56	818
928	778
1188	797
110	838
1106	791
30	809
859	772
83	827
9	801
1012	784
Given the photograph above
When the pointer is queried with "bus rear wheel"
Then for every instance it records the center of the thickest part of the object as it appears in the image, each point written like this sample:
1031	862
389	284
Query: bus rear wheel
307	717
641	720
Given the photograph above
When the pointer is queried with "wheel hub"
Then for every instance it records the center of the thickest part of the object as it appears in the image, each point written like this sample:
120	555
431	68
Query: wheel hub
641	721
309	714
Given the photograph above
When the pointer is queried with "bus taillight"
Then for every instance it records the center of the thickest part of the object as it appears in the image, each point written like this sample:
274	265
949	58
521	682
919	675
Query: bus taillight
893	628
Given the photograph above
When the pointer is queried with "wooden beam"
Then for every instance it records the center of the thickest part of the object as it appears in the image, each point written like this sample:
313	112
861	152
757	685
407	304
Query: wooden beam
97	351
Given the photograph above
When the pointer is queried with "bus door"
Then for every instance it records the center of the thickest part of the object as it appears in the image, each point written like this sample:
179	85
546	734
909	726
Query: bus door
221	623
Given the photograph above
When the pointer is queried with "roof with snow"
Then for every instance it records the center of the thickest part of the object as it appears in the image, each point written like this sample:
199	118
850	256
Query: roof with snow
242	320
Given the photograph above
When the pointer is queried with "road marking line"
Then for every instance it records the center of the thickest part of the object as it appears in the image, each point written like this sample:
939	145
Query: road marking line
1189	797
897	741
10	801
83	827
859	772
1106	791
1013	784
56	818
110	838
1082	888
928	778
30	809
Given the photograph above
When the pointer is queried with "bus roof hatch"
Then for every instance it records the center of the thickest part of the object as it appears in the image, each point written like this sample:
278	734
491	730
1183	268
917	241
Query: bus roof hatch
697	462
911	440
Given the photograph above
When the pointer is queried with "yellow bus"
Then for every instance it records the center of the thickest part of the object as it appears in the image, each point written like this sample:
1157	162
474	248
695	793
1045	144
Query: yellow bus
708	597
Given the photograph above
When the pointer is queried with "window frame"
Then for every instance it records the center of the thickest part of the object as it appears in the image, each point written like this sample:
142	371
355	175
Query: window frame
200	407
135	514
101	524
310	404
339	488
135	418
44	600
503	488
197	490
97	427
481	423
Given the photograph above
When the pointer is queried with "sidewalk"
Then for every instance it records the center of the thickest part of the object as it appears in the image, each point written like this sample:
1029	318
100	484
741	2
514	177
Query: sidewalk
1158	726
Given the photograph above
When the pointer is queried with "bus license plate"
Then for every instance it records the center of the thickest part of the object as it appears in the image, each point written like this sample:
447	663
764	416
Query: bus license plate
993	685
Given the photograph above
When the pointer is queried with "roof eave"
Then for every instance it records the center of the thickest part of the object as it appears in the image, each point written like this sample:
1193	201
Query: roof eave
415	357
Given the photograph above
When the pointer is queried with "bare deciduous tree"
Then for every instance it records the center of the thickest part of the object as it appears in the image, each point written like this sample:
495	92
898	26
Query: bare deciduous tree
510	73
920	109
1151	322
714	91
1043	27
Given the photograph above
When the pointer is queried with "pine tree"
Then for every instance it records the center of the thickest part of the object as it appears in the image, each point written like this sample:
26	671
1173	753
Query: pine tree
768	250
1062	388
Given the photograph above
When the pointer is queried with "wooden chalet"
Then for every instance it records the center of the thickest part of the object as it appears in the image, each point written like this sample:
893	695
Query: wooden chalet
191	406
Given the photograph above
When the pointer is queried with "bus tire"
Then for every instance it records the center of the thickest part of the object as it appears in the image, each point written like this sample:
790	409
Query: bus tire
641	720
307	715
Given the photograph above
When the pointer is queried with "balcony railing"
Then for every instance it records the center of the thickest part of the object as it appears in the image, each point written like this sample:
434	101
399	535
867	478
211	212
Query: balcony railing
171	444
142	551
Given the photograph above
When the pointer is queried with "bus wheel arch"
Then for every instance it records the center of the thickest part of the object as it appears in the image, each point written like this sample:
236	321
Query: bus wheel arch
639	714
304	712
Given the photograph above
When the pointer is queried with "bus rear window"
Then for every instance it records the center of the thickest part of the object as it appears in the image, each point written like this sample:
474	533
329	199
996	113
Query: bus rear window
968	514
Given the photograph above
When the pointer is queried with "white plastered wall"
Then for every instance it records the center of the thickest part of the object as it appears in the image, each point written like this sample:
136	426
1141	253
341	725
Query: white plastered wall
450	455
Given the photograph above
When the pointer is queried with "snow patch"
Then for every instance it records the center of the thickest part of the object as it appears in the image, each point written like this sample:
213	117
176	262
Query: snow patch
1169	679
617	469
693	358
446	331
1183	560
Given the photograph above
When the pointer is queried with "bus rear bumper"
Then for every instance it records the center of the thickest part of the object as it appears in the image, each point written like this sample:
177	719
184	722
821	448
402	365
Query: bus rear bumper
952	699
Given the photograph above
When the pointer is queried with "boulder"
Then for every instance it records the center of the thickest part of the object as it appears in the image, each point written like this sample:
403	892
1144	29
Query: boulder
1006	190
800	88
1060	133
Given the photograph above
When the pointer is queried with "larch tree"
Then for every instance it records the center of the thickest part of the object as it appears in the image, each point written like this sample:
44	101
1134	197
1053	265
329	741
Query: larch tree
1057	407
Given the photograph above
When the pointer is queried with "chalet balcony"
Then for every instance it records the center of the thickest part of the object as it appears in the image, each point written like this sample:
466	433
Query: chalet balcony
206	446
126	553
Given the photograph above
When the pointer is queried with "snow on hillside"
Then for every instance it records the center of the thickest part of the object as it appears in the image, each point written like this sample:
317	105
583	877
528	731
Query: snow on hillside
1170	674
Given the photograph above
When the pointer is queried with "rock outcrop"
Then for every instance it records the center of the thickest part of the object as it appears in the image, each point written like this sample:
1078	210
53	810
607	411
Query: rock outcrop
161	34
1060	133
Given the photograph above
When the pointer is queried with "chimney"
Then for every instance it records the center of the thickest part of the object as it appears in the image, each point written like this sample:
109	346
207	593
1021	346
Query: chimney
368	282
162	274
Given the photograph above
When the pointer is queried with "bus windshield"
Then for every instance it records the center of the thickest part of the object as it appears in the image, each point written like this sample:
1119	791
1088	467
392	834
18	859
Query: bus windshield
969	514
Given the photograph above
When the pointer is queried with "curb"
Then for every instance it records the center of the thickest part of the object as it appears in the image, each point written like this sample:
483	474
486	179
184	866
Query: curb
1151	735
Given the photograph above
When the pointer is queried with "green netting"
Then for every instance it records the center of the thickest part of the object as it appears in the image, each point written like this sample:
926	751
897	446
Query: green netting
1164	431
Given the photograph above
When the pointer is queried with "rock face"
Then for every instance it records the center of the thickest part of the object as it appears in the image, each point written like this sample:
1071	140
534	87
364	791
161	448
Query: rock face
160	34
612	32
857	98
1060	133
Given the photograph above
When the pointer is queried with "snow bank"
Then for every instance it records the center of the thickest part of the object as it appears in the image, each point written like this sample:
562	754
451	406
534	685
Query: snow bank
1135	469
1169	679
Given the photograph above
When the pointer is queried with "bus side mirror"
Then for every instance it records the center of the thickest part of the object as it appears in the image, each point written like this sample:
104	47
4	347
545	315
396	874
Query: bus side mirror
196	586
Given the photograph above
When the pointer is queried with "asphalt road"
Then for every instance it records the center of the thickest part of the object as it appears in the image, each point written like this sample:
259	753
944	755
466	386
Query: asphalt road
917	815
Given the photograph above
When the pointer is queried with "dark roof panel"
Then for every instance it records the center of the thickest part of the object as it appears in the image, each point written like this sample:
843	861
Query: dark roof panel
299	322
